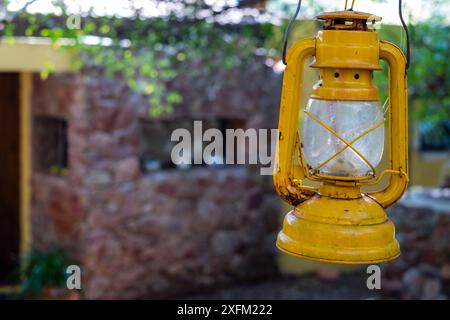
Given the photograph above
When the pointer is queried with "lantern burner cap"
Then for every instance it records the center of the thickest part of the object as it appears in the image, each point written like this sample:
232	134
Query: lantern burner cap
347	20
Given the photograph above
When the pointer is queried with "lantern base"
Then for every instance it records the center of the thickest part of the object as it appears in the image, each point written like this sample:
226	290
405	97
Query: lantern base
346	231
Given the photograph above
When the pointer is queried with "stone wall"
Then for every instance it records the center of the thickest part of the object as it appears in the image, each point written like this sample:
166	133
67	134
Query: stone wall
422	222
58	203
164	233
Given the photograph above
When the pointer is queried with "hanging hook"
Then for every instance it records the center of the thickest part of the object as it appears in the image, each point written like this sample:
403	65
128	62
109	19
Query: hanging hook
405	27
351	8
288	30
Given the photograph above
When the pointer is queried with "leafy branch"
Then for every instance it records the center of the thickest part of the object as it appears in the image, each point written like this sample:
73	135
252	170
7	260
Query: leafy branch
148	53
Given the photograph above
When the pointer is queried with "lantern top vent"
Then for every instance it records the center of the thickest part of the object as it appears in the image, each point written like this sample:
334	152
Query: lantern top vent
348	20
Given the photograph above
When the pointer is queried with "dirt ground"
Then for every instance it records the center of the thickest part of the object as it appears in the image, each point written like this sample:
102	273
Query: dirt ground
296	288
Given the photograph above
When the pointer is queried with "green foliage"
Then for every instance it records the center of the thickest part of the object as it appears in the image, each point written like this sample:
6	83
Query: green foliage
428	80
148	53
430	67
43	269
58	170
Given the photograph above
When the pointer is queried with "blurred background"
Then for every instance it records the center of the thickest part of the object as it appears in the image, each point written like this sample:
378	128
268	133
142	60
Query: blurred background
90	92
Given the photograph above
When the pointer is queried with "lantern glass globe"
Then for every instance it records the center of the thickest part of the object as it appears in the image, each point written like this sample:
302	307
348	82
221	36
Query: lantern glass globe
349	119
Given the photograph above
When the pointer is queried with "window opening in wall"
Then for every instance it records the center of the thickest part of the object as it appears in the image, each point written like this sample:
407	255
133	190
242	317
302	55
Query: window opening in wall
434	136
50	145
156	145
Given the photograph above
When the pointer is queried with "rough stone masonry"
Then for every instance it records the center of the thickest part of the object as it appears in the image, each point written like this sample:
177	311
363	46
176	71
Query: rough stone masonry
156	234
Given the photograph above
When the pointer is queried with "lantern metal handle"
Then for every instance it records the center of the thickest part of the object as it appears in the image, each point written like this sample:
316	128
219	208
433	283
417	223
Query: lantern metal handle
288	176
398	125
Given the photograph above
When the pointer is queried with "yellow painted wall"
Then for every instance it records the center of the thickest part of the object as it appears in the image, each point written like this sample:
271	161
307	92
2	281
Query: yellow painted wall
33	55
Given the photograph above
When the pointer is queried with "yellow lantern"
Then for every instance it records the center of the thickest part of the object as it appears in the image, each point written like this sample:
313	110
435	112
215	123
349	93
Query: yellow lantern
341	145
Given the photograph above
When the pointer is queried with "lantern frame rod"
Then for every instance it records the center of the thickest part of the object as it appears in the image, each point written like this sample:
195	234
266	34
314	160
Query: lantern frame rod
379	124
398	125
400	172
348	144
351	8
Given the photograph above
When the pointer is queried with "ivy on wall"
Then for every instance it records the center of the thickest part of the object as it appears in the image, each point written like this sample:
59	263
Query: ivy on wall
147	52
150	52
